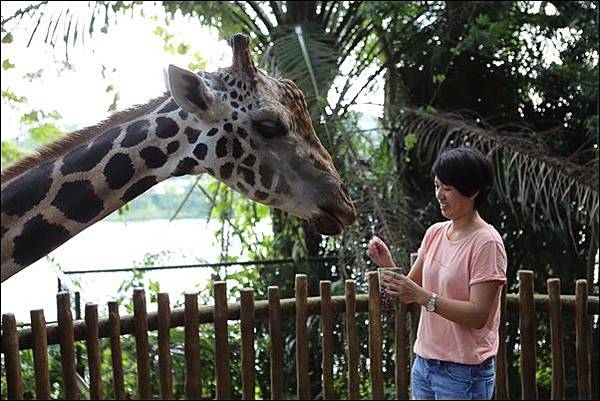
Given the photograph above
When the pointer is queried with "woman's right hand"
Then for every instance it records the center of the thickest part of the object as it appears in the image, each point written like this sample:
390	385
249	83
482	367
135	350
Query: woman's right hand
380	253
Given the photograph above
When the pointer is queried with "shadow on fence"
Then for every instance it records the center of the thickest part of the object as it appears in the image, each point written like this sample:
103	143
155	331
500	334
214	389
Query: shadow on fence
66	332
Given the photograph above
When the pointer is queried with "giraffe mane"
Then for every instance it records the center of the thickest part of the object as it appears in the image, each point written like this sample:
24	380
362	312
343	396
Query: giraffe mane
67	142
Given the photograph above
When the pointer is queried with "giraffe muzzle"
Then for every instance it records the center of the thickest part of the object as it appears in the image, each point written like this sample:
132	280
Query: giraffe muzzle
333	218
335	210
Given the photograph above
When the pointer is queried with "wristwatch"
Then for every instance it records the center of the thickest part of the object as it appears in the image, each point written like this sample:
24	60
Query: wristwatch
430	305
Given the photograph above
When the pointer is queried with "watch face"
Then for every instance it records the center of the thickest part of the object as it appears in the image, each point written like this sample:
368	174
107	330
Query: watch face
430	308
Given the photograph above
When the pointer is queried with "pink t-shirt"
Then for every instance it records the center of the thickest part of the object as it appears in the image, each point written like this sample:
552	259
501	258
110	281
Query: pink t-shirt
449	269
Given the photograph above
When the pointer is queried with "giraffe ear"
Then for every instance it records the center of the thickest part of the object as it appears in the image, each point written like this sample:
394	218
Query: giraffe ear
189	90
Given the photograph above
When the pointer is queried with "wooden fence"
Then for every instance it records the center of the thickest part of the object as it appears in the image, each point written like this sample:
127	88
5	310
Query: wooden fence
275	310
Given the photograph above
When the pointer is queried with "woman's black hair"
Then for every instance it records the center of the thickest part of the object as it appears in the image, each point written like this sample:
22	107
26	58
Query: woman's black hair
466	169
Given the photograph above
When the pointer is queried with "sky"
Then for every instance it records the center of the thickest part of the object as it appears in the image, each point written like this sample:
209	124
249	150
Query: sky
80	95
130	47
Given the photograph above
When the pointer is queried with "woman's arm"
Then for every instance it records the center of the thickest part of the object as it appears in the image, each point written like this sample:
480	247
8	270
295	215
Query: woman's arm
473	313
381	256
416	271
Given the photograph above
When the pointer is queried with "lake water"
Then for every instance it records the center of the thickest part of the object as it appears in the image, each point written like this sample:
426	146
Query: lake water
117	245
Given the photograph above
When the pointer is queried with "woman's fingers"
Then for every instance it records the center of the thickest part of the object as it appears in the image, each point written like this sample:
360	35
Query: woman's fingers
394	294
400	295
392	276
373	248
378	251
377	243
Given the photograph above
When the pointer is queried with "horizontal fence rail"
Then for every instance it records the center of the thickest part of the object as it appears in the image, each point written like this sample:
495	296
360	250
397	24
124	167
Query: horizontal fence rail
275	310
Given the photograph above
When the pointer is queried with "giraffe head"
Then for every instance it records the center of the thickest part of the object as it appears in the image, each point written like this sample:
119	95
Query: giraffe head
261	142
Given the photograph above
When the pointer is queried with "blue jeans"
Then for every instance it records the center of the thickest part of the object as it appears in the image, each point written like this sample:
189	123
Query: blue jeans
440	380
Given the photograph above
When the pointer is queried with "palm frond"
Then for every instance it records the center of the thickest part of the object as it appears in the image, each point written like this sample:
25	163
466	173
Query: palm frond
322	53
529	179
66	21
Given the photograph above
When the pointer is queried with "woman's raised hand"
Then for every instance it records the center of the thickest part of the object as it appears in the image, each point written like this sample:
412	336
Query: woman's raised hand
380	253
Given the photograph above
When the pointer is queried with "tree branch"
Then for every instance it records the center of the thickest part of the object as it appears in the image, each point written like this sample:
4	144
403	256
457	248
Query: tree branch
23	11
369	81
262	16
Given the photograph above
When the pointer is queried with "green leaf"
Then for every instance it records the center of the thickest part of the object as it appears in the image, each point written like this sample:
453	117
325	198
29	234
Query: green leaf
7	65
428	110
45	133
439	78
199	64
33	117
31	76
183	48
482	19
55	115
8	38
36	115
12	97
113	105
154	286
11	153
410	141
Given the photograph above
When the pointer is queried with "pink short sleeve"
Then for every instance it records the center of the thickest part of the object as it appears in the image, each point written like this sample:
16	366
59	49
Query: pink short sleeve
489	263
425	242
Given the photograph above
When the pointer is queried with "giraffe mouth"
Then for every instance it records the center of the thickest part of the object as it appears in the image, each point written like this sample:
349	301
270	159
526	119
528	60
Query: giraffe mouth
328	223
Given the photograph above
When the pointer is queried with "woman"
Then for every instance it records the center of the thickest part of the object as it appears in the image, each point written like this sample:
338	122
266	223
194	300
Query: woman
457	277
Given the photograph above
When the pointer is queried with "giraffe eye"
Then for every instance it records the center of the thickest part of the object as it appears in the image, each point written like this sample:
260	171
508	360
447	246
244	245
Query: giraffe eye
269	128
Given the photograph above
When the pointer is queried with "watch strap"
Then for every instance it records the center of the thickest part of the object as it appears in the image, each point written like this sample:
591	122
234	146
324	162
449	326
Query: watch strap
431	304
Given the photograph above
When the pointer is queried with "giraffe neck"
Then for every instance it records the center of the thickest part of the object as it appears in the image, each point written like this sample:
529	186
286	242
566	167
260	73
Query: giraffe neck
53	201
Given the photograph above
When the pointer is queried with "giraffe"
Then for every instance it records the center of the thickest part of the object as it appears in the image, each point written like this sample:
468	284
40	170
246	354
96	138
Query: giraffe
243	127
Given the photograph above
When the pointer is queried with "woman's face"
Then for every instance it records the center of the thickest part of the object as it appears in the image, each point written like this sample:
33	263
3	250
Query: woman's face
453	204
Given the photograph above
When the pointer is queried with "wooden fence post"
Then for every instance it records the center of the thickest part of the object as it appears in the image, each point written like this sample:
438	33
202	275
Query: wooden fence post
40	354
402	368
165	361
558	364
193	389
221	341
248	352
114	328
375	350
327	341
584	385
67	345
79	367
352	340
276	343
142	344
93	350
11	354
527	325
302	378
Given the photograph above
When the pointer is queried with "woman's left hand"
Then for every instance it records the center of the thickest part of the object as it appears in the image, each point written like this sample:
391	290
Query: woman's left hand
403	288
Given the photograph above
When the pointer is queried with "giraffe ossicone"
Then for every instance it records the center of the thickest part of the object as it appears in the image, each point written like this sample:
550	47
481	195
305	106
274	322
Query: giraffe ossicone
243	127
